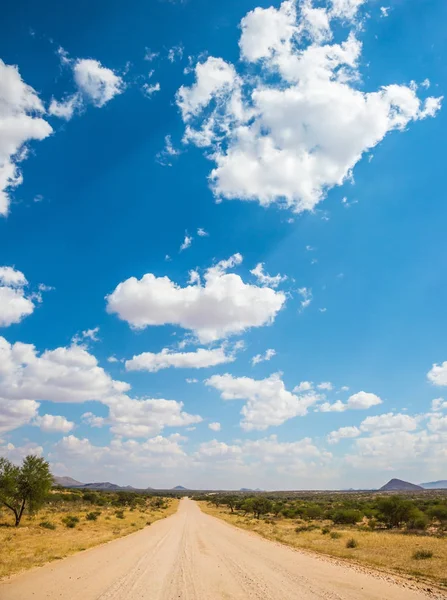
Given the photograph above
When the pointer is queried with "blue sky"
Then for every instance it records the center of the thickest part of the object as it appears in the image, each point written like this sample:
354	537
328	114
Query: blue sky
304	138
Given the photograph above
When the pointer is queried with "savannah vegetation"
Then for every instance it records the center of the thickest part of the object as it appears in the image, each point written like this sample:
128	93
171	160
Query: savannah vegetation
40	523
404	534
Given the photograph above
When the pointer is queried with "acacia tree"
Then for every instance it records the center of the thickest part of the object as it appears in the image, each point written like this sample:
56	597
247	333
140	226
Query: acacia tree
26	486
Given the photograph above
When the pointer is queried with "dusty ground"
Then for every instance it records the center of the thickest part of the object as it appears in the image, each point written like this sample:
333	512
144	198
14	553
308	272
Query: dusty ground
30	545
385	550
190	556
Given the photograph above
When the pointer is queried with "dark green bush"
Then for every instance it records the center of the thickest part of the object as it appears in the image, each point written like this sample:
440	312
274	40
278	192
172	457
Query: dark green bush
335	535
70	521
119	514
92	516
351	543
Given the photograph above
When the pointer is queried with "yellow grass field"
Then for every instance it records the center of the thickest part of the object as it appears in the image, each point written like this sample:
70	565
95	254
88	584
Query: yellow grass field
391	552
31	545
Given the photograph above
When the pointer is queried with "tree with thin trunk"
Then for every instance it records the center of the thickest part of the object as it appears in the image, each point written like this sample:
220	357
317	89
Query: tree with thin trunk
24	487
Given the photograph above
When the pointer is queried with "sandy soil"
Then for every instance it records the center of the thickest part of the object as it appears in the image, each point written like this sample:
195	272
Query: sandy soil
194	556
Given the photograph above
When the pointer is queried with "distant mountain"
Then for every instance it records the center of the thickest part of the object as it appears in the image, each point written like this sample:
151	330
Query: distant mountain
397	485
103	485
435	485
66	481
180	488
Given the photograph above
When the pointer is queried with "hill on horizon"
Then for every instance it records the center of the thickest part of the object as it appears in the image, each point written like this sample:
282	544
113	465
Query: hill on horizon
180	488
66	481
435	485
398	485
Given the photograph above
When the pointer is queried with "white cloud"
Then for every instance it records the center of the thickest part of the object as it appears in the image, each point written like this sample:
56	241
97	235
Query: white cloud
99	84
343	433
214	426
359	401
438	374
20	123
439	404
95	84
131	417
150	89
306	295
164	157
199	359
66	374
214	79
87	334
15	305
376	425
53	424
299	127
186	243
202	233
66	108
325	385
112	359
384	11
258	358
426	83
120	457
15	413
304	386
16	454
265	278
266	454
222	306
191	380
175	53
267	400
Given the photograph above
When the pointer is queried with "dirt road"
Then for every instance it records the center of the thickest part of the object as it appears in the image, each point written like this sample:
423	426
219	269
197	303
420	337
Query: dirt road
193	556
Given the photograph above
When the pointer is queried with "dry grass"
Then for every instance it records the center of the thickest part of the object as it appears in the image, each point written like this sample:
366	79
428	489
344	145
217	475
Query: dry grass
31	545
380	549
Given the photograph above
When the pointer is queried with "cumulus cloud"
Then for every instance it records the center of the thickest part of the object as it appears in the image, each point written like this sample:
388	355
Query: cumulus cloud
15	413
214	426
306	295
359	401
66	374
439	404
268	403
95	85
297	457
199	359
299	127
221	306
378	424
53	424
131	417
325	385
265	278
21	122
16	454
258	358
438	374
202	233
15	304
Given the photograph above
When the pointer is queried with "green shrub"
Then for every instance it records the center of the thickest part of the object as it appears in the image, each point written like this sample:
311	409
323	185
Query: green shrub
92	516
119	514
335	535
422	554
47	525
325	530
70	521
302	528
351	543
347	517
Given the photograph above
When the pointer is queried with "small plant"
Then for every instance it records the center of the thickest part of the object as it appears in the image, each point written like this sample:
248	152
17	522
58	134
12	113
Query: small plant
92	516
47	525
351	543
422	554
325	530
335	535
119	514
70	521
148	523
